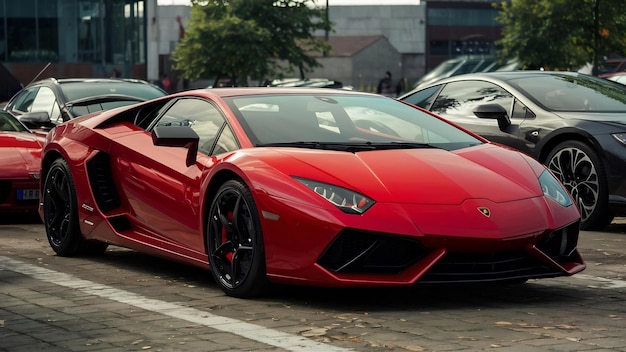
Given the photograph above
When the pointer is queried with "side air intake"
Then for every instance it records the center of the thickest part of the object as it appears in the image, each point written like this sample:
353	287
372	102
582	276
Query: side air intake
102	186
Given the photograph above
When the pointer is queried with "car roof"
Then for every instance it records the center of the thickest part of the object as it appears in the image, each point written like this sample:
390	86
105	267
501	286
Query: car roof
242	91
86	80
505	75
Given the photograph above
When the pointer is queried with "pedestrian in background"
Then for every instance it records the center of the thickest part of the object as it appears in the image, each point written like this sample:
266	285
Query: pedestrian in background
385	85
116	74
166	84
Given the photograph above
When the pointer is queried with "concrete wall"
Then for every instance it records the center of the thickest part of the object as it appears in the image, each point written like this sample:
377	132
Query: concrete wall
403	25
363	70
371	64
168	26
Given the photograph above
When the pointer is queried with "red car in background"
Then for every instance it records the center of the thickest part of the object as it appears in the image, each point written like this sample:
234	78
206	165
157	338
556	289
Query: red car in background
304	186
612	66
20	162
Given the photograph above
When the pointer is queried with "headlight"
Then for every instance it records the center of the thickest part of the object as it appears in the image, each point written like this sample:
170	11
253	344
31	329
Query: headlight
552	188
348	201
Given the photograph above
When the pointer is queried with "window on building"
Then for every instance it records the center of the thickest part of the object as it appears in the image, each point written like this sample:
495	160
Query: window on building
89	31
462	17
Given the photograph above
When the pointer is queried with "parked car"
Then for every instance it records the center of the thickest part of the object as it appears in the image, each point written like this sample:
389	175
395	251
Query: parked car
48	102
612	66
573	123
20	162
618	77
310	186
308	82
462	65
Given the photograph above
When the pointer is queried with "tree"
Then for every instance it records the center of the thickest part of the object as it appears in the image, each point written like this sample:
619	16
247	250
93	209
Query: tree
561	34
250	38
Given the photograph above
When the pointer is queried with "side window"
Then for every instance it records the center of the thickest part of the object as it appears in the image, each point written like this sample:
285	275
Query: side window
24	100
520	111
423	98
204	118
46	101
226	142
459	99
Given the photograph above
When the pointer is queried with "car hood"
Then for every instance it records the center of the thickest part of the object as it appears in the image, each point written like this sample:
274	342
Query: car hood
20	153
420	176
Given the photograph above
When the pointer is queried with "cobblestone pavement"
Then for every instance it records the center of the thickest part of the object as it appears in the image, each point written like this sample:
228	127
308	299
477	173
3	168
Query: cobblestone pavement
126	301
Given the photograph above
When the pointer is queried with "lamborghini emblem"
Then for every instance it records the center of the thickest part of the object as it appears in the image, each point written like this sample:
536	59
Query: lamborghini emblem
485	211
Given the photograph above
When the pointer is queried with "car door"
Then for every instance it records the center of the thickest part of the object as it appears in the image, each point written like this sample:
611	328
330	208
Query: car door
456	101
163	192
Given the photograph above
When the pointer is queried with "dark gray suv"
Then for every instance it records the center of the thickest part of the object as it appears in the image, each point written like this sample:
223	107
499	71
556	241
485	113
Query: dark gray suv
48	102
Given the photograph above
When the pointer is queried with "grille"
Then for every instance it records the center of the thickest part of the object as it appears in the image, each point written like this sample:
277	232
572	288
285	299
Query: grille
473	267
560	245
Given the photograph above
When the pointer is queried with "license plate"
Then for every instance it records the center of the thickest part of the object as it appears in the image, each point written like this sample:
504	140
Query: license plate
27	194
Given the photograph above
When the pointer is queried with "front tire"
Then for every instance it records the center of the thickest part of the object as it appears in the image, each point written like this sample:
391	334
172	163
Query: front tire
61	214
235	242
580	170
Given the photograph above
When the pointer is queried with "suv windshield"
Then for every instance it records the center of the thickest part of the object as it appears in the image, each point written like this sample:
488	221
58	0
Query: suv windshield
79	90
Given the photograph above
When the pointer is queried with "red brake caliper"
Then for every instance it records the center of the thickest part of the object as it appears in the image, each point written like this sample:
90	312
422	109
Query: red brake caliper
229	255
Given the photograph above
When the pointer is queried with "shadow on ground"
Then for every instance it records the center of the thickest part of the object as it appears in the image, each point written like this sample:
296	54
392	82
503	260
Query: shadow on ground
19	217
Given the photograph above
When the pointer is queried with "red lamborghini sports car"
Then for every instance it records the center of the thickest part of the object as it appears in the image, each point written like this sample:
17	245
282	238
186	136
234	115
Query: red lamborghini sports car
20	162
304	186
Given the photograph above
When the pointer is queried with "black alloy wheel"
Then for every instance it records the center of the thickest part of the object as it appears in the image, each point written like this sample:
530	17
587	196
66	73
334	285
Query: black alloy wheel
235	242
580	170
61	214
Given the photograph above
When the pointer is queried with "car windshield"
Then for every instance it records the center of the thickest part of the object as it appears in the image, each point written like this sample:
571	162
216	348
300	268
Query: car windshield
343	122
83	89
10	124
573	93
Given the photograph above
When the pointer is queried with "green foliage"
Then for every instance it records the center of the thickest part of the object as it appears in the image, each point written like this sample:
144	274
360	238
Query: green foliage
561	34
247	38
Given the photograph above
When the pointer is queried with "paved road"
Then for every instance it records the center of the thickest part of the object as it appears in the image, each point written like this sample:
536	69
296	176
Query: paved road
126	301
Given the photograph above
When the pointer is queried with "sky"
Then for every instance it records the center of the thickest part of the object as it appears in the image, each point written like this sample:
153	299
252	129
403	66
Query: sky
320	2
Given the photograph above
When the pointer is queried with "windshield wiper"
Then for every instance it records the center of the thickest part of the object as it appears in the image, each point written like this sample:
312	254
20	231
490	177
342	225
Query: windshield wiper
401	145
351	147
347	147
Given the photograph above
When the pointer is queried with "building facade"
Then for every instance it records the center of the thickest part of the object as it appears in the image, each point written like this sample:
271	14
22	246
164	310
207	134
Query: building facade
460	28
426	33
75	38
92	38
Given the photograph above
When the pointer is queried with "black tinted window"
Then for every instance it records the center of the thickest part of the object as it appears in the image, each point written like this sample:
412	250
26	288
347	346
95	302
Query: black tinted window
24	100
423	98
461	98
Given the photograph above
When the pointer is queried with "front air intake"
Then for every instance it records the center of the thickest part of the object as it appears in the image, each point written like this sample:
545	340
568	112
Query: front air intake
358	252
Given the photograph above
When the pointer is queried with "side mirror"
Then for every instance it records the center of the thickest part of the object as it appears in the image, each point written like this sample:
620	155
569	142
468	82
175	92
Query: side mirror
177	136
493	111
38	118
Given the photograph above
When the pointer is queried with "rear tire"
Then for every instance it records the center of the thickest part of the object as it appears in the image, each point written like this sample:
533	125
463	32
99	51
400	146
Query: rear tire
580	170
60	214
